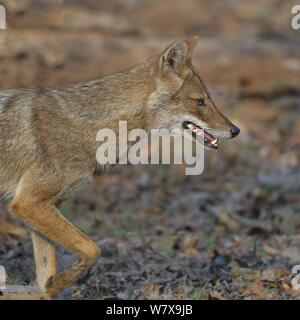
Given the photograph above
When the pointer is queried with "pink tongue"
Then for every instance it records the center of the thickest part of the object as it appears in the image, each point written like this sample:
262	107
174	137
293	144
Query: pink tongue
207	136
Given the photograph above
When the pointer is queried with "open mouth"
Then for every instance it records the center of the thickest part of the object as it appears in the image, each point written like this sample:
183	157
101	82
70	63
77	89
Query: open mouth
196	131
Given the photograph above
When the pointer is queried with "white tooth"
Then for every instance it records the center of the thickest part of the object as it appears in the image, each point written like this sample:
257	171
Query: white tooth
215	141
190	126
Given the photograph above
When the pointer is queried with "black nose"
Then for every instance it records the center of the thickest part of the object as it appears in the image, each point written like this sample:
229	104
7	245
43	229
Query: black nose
234	131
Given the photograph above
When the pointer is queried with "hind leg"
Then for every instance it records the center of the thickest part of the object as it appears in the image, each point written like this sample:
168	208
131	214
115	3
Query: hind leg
7	228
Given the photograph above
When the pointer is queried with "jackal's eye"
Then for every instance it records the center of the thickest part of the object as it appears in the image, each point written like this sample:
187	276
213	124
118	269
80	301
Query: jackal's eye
200	102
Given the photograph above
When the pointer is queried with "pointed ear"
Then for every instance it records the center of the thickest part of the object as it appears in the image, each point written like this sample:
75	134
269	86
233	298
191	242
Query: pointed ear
176	56
192	43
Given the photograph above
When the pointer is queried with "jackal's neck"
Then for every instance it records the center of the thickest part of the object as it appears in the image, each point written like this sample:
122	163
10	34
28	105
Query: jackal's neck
121	97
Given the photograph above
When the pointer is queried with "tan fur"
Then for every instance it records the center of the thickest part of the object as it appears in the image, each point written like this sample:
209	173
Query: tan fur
8	228
48	145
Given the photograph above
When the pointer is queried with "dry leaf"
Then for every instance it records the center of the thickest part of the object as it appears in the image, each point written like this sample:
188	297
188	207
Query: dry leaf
255	289
214	295
190	244
274	273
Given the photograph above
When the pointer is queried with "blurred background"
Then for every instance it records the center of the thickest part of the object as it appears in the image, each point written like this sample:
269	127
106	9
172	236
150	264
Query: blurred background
231	233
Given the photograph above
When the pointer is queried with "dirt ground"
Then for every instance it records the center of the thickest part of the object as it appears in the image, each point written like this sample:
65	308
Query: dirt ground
230	233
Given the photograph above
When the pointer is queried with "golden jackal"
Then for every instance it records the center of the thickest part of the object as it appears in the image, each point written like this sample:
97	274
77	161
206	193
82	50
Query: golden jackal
48	144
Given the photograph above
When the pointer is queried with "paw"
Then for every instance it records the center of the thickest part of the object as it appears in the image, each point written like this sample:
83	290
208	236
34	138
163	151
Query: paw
23	293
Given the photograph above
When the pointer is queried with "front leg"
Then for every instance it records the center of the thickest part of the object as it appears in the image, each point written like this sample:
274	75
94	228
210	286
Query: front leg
46	219
45	260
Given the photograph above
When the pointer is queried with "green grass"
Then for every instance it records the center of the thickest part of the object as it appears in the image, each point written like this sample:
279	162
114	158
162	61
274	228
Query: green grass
297	210
168	250
200	294
94	295
129	225
17	279
211	243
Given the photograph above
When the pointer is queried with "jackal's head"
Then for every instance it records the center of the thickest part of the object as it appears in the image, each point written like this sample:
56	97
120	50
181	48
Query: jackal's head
181	99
